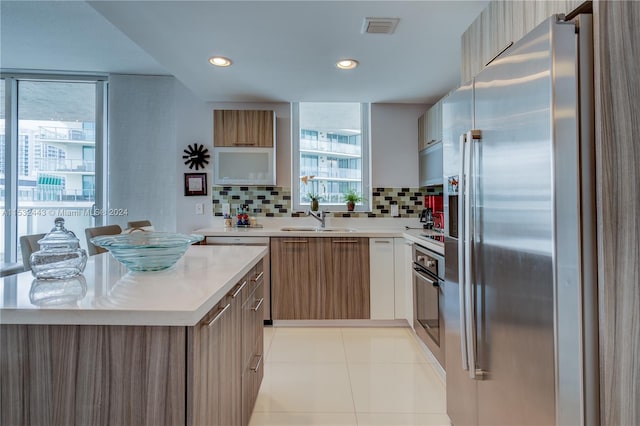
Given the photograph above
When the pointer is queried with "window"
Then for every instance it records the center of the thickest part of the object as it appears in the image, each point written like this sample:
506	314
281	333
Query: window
48	148
88	187
331	153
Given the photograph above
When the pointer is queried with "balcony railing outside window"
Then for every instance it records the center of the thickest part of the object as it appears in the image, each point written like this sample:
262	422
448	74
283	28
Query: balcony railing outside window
64	165
66	134
329	147
333	173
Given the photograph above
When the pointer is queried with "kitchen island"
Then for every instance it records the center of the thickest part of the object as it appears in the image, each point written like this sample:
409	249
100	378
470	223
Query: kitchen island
175	347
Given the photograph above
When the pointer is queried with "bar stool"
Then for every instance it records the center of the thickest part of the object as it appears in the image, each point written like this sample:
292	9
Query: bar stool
28	245
100	230
138	223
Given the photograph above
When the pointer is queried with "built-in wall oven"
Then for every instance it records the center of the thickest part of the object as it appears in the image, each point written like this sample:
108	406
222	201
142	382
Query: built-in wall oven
428	308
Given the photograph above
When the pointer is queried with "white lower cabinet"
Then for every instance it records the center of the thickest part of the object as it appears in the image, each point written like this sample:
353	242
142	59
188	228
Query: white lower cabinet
400	272
408	281
381	262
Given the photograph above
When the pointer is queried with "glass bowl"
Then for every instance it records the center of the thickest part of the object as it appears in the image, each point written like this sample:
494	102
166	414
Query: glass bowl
147	251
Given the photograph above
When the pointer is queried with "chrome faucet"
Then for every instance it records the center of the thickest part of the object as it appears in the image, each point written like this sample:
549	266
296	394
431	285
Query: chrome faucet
319	216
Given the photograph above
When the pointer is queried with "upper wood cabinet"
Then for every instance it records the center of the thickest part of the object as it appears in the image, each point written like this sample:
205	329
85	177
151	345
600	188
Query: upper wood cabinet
501	23
243	128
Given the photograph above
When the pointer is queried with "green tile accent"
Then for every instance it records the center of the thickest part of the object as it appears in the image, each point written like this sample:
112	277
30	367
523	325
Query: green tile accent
275	201
272	201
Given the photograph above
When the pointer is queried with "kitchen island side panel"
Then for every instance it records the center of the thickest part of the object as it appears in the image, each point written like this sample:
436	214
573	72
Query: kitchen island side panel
98	375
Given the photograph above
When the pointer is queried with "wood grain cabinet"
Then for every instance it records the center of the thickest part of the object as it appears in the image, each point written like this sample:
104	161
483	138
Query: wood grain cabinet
206	374
92	375
320	278
346	271
252	348
211	349
243	128
500	24
296	284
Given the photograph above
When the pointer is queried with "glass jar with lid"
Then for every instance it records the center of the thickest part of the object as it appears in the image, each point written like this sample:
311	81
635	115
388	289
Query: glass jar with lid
60	255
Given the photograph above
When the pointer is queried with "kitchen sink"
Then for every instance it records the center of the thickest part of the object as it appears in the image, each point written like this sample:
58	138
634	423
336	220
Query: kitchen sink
311	229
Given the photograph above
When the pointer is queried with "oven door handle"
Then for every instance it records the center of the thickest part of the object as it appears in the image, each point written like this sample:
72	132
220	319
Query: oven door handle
420	273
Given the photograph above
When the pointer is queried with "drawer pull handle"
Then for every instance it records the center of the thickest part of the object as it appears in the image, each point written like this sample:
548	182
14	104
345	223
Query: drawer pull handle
255	308
256	279
345	241
239	289
257	366
218	315
381	241
295	241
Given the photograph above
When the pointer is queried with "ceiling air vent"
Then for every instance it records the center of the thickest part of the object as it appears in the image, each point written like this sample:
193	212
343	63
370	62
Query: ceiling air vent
379	25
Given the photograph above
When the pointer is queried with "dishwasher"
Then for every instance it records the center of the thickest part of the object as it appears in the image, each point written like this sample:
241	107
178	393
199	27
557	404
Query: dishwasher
251	241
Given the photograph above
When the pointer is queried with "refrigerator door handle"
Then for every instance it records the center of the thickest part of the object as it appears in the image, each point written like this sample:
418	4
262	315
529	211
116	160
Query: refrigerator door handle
474	373
468	304
461	259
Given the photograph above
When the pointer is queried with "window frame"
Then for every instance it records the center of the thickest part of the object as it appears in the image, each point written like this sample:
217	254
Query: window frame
10	80
365	119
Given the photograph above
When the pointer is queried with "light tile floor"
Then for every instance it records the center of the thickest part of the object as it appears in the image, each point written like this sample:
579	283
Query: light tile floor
347	376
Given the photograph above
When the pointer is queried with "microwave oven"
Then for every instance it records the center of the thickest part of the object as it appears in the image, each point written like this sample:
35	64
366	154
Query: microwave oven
244	166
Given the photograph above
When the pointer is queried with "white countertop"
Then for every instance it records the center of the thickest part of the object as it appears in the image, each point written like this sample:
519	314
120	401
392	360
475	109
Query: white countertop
414	235
178	296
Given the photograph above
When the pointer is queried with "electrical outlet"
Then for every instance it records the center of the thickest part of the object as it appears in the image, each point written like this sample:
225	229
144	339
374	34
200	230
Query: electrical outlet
199	208
226	209
394	210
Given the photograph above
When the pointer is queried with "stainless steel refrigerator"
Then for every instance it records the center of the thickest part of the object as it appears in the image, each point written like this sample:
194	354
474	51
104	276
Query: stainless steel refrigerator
520	280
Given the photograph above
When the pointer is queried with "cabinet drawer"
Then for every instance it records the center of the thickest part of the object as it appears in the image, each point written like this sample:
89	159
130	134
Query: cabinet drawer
251	380
256	277
252	322
240	291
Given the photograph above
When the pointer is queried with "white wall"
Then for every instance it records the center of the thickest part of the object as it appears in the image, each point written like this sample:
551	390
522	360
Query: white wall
152	119
192	119
394	144
142	145
194	123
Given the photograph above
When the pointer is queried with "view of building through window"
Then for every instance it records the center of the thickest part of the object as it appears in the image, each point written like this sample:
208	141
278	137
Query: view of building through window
331	151
55	157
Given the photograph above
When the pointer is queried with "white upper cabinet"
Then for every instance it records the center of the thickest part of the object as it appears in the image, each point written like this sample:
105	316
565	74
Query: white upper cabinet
430	126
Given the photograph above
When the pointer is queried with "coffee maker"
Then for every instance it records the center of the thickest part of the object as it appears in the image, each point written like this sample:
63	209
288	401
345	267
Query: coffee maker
432	216
426	218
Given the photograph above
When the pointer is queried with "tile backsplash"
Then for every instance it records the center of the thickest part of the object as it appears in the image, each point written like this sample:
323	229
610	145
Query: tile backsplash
275	201
269	201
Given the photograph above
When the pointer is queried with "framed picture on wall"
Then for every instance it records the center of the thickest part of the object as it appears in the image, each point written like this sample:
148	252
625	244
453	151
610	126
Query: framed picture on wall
195	184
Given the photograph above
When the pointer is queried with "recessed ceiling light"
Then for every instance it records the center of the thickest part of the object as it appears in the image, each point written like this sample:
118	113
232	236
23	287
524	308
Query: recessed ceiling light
347	64
220	61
